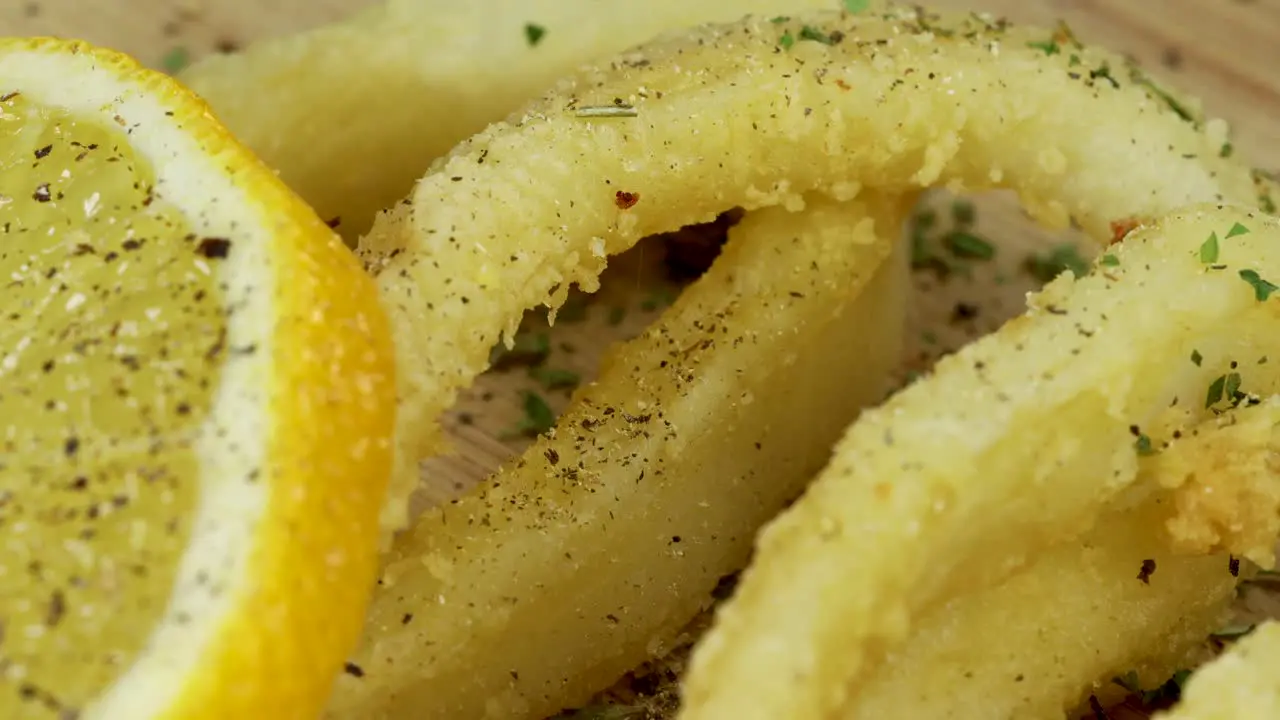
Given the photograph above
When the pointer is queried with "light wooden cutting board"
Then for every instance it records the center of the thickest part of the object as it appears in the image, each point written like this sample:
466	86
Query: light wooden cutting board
1225	51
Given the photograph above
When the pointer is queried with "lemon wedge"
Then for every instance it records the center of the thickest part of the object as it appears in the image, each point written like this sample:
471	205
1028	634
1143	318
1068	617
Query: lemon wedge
196	409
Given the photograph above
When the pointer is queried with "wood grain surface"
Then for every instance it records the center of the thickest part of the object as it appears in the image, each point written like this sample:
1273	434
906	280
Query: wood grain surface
1225	51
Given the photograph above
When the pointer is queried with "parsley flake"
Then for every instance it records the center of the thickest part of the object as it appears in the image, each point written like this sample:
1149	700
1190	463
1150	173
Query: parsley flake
786	41
856	6
1226	151
555	379
1231	387
538	417
1196	357
660	298
1143	445
175	60
1237	230
1214	396
1261	288
1225	387
1209	249
963	212
1064	257
969	246
533	34
808	32
1110	260
1049	47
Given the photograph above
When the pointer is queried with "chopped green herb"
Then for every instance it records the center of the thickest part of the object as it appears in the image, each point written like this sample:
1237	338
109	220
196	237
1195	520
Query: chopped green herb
1237	230
1231	388
1049	47
1196	357
606	111
538	417
1168	99
1261	288
1216	388
533	34
1143	445
779	19
856	6
1233	632
963	212
808	32
175	60
1226	151
617	315
1110	260
1104	73
786	41
1064	257
924	220
969	246
921	255
555	379
661	297
1073	60
1209	249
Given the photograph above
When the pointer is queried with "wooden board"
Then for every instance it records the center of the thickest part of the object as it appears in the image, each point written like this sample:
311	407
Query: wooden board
1225	51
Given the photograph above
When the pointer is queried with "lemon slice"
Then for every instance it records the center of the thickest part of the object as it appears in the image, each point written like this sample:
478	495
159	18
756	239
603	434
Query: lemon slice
196	405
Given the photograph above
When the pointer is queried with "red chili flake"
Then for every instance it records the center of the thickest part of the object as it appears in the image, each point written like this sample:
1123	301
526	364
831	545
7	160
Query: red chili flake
625	200
1121	228
842	84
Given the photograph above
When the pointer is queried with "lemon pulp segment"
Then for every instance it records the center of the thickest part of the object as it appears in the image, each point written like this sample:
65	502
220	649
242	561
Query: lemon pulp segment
112	340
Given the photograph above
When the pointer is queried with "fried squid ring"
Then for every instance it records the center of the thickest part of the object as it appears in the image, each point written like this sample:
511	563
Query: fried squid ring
1016	443
606	539
387	91
757	114
1039	643
1124	600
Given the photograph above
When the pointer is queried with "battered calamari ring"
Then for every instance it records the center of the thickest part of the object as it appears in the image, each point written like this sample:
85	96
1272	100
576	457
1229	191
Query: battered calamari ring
1017	443
384	93
756	114
596	549
1125	599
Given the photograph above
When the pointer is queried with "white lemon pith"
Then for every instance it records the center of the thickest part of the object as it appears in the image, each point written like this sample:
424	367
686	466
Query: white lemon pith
195	409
